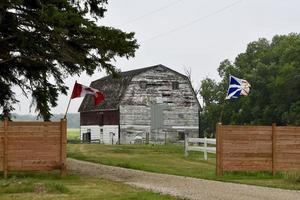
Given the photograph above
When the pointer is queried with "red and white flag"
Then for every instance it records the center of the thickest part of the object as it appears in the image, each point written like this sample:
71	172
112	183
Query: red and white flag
81	90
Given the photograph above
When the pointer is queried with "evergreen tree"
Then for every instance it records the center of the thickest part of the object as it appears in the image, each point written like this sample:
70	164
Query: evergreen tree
44	41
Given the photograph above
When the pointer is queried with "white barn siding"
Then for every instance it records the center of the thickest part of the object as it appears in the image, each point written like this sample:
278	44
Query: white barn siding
135	114
96	133
110	134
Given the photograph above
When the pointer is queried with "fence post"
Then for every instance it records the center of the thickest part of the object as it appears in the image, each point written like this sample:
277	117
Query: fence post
5	153
205	148
63	149
186	153
219	167
147	137
274	149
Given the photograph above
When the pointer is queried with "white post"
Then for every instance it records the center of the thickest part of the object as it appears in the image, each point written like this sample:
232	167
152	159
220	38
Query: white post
186	153
205	148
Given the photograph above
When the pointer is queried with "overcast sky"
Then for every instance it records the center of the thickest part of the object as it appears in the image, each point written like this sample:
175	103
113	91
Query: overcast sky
196	34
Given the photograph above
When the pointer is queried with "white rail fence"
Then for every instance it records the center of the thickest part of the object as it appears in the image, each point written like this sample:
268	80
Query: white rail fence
205	149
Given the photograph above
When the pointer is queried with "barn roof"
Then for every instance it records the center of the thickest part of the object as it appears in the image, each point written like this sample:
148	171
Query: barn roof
113	89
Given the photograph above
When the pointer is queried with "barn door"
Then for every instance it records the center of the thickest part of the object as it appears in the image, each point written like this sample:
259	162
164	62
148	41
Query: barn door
157	119
86	137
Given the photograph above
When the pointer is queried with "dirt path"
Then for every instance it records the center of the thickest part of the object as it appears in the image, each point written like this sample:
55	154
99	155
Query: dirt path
183	187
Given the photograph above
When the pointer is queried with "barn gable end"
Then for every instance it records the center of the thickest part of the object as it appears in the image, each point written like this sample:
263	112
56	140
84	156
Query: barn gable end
129	100
162	86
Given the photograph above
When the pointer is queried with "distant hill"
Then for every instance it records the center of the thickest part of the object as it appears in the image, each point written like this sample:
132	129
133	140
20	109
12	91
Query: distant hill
73	118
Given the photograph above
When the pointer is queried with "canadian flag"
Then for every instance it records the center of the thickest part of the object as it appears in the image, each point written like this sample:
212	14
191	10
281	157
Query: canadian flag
81	90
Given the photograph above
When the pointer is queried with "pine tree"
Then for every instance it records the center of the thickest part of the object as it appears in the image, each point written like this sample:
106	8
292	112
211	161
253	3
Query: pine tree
44	41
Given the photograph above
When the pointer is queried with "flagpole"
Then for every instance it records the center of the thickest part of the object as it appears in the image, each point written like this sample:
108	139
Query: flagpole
222	109
65	117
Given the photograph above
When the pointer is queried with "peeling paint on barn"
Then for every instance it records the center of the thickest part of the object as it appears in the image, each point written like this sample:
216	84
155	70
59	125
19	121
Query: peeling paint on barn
129	101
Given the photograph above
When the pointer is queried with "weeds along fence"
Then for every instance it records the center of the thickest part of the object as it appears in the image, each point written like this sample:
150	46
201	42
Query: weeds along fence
33	146
257	148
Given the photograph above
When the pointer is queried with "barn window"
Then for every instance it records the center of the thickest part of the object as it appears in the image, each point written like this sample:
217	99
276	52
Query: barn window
86	137
101	135
175	85
180	135
143	84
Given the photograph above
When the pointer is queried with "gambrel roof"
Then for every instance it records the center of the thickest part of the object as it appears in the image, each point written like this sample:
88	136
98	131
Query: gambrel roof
114	89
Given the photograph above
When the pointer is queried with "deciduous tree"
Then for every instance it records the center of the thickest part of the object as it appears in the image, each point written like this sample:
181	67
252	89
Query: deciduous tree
273	70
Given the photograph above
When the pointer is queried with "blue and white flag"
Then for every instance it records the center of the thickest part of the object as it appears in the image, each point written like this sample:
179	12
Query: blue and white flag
237	87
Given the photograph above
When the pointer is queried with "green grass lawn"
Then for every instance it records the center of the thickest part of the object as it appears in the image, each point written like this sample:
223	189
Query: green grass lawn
169	159
42	186
73	134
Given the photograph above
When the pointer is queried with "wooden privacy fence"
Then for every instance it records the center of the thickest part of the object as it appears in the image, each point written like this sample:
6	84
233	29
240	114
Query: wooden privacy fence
257	148
205	149
33	146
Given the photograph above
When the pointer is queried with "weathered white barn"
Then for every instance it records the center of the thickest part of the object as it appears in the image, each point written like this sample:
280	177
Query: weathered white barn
143	104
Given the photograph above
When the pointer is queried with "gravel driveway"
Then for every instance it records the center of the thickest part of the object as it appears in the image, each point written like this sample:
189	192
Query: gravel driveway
184	187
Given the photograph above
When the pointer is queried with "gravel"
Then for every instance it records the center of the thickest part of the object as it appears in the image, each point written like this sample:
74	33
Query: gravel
183	187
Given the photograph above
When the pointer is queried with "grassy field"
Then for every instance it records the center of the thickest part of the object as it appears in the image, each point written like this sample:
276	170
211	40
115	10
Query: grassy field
73	134
169	159
42	186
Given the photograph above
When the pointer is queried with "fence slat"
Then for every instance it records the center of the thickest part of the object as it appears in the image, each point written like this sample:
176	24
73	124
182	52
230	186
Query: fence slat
202	140
274	149
202	149
219	167
194	140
